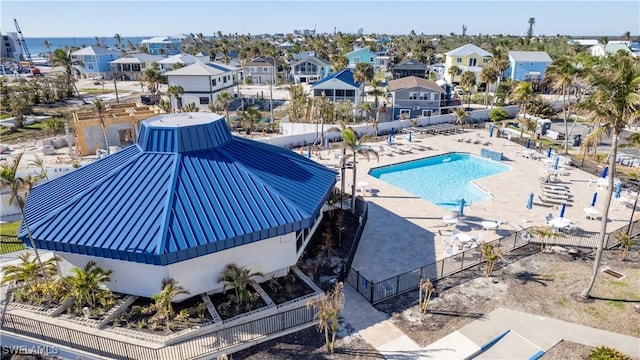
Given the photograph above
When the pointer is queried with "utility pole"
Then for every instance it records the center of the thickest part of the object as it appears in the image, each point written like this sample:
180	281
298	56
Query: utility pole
115	87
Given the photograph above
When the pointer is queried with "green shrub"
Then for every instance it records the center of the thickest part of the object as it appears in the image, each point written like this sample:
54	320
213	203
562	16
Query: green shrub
607	353
53	124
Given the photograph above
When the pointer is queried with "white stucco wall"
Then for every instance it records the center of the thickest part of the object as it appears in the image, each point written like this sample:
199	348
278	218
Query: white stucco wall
198	275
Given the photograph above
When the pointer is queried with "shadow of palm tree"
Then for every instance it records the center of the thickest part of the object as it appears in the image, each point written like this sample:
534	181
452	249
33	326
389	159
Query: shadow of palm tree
456	313
615	300
527	276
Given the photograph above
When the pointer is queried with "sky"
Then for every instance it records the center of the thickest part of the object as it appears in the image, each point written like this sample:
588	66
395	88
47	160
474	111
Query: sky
90	18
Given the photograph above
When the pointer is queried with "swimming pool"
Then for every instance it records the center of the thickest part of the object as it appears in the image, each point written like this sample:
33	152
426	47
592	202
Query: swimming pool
443	180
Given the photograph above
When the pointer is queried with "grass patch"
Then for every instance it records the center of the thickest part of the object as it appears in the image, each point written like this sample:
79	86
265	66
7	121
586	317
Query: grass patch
33	130
616	304
593	312
628	295
618	283
10	229
562	301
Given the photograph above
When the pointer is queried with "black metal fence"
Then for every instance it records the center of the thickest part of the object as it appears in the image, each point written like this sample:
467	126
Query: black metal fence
10	244
220	341
363	209
378	291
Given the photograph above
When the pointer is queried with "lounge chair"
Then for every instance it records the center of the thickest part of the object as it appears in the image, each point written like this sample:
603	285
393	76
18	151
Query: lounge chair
451	251
548	201
486	143
469	140
476	141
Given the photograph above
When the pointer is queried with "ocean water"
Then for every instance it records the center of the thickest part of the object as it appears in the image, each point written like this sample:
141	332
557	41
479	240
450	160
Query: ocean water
37	48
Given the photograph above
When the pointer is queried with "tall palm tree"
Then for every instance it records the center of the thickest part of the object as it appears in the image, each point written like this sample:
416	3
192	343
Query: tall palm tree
500	62
153	77
163	300
222	102
355	147
329	307
614	103
560	75
20	188
532	21
467	82
118	40
363	73
376	92
85	283
251	116
488	76
174	91
522	94
63	58
47	45
461	115
99	108
453	71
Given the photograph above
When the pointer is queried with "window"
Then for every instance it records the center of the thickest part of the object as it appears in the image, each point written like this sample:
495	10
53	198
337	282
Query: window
459	60
213	82
472	62
90	66
405	114
252	69
424	96
265	69
356	60
224	79
204	101
339	92
371	60
485	60
436	96
426	112
413	95
351	93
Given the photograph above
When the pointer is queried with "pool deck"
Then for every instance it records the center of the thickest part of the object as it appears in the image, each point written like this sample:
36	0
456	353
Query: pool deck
404	232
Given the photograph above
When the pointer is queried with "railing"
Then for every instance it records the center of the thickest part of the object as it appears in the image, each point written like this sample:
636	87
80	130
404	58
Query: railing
378	291
10	244
214	343
356	240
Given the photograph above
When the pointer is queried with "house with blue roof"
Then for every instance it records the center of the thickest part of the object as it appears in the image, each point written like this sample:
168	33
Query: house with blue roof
95	61
527	65
201	83
340	86
184	201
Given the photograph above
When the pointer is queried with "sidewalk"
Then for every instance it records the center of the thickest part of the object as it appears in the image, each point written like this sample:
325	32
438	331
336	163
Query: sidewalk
501	334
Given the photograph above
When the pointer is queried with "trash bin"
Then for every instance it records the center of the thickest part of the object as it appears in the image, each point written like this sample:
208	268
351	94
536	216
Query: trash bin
577	140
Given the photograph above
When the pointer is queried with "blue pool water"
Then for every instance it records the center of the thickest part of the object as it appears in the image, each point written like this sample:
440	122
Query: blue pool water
442	180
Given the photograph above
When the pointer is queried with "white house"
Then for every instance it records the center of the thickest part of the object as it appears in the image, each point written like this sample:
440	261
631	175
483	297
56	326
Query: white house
201	82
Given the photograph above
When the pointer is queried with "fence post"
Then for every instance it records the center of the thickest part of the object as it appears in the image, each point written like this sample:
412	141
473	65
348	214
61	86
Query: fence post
370	291
358	280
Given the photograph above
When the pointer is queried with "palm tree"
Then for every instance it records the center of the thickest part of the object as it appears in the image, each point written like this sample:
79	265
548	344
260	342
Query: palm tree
467	82
522	94
153	77
47	45
20	188
500	62
99	107
545	233
239	278
488	76
363	73
532	21
63	58
560	76
425	289
453	71
329	307
175	91
28	270
222	101
118	40
491	254
163	300
376	93
250	117
461	115
613	104
354	147
85	283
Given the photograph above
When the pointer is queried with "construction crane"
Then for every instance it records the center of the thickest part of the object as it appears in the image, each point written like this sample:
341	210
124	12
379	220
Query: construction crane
23	44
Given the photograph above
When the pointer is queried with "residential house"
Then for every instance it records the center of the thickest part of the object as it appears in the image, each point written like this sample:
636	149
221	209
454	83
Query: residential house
187	199
340	86
360	55
167	64
600	50
303	55
415	96
133	66
261	70
94	61
468	58
409	68
163	45
310	70
527	66
201	82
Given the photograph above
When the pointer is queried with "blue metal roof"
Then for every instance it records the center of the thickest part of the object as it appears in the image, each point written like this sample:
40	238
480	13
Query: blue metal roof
345	76
187	188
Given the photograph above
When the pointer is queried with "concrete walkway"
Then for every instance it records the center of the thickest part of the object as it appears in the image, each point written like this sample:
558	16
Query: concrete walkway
501	334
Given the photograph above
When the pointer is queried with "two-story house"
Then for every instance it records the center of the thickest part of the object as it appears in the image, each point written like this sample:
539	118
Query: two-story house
94	61
340	86
527	66
132	67
361	55
167	64
409	68
163	45
201	83
262	70
467	58
414	96
309	70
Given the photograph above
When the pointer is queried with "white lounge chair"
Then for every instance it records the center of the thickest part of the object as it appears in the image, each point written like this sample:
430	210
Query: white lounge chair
451	251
